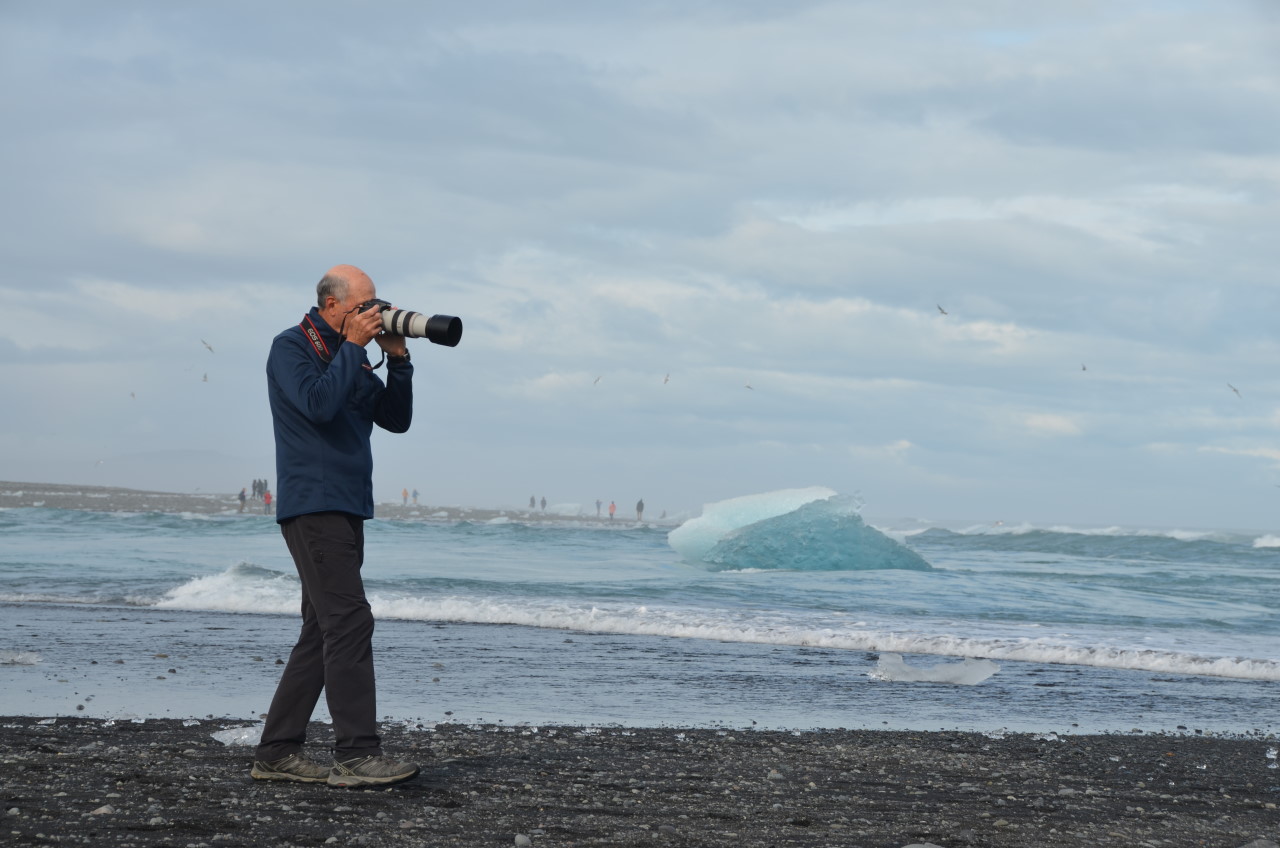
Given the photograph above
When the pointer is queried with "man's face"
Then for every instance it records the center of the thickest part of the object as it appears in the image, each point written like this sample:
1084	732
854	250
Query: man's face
358	291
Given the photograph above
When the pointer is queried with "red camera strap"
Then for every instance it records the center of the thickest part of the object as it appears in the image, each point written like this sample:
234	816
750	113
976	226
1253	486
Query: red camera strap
317	341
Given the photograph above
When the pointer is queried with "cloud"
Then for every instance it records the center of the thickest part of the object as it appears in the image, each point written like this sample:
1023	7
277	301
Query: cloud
1272	454
895	451
1050	424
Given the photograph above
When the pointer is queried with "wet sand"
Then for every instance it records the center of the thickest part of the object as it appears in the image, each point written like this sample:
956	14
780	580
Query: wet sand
160	782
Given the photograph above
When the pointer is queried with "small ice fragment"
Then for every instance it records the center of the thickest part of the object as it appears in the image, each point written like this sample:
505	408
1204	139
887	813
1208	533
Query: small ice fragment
245	735
190	722
1272	753
48	721
968	673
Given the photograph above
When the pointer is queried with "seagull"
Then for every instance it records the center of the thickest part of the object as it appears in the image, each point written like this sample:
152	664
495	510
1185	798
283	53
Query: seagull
1082	368
943	311
206	344
132	395
596	380
666	379
1237	391
748	386
206	378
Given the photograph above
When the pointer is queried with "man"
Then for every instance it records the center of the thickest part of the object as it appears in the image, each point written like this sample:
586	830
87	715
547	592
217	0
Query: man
325	400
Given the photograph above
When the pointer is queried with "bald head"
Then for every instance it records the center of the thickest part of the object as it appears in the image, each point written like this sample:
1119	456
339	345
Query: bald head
339	282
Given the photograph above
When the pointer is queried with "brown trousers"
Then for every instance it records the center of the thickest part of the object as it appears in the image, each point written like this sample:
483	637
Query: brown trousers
334	652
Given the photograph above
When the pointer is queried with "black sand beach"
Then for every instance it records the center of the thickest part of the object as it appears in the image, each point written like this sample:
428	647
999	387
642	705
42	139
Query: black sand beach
85	782
91	781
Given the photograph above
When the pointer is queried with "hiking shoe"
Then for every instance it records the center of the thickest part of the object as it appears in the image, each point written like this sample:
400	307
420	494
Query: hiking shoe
370	771
293	767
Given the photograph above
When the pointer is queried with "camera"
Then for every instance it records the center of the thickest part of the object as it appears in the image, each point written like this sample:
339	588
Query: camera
438	329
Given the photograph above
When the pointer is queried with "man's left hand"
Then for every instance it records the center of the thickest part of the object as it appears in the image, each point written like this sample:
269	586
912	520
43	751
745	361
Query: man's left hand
392	345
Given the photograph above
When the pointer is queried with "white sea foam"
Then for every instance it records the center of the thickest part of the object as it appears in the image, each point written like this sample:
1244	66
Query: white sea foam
250	589
1267	542
968	673
19	658
243	588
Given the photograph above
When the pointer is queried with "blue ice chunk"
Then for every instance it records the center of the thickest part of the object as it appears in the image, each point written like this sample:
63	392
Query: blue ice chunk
826	534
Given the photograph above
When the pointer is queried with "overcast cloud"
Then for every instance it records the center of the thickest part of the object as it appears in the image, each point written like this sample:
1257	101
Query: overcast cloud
734	194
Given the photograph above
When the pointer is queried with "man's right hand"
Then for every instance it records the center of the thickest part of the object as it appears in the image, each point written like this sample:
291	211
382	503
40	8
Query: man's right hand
361	327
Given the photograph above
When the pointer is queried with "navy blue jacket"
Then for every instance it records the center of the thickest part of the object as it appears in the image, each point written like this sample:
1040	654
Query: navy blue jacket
323	414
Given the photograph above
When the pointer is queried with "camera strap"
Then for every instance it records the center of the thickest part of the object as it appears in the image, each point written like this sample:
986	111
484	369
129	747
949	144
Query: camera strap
317	341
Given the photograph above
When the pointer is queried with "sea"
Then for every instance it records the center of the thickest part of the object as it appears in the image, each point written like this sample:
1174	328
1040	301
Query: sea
779	610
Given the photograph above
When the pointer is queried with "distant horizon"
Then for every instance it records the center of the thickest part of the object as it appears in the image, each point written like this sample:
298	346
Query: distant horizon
587	509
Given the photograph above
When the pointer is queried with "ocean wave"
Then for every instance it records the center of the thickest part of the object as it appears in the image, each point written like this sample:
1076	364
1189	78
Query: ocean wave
252	589
19	658
1111	531
242	588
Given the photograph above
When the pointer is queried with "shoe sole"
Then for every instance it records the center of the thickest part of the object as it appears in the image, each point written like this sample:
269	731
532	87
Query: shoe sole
280	775
351	781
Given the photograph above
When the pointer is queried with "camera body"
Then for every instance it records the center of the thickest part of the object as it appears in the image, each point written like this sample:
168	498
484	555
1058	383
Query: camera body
438	329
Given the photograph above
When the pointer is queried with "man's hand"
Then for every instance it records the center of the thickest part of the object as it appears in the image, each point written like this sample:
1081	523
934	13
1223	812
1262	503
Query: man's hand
361	327
392	345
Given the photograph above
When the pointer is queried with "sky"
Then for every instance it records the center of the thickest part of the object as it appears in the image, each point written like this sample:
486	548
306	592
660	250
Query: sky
990	260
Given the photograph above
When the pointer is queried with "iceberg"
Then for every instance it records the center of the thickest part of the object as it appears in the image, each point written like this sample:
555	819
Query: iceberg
813	529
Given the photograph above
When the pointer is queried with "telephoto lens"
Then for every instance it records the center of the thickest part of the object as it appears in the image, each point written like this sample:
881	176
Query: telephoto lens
438	329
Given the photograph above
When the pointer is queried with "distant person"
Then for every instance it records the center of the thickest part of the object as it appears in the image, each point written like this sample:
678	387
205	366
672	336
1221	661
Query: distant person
242	499
266	501
325	399
415	497
598	505
404	496
533	502
640	509
613	507
544	503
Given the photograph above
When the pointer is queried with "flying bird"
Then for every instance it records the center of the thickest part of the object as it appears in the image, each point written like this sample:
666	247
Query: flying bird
132	395
1082	368
943	311
748	386
596	380
206	378
666	379
206	344
1237	391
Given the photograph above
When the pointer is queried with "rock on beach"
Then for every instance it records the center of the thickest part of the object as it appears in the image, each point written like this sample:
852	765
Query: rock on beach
84	781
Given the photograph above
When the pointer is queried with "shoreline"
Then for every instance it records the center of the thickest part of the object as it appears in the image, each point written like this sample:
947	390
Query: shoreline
168	782
18	495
